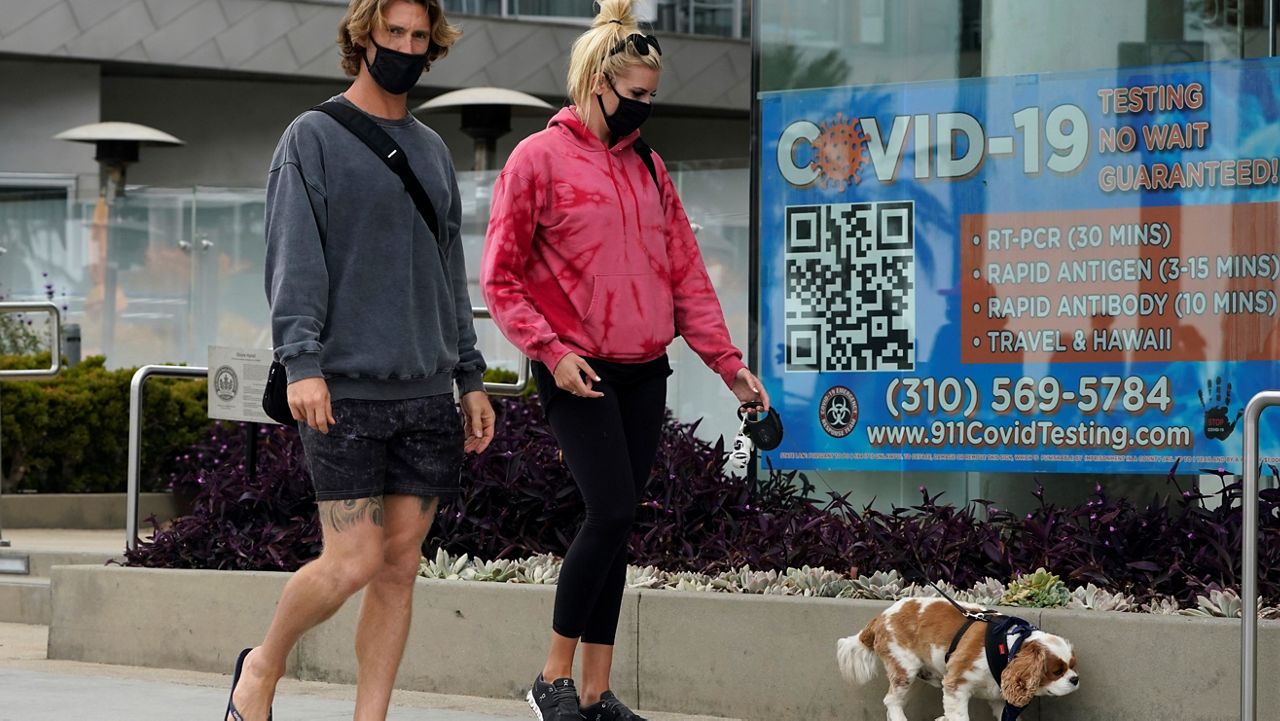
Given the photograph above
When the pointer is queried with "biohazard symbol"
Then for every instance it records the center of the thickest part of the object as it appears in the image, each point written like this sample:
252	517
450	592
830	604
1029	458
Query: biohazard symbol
841	152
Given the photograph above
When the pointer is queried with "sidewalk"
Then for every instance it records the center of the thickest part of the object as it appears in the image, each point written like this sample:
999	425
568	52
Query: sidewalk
37	689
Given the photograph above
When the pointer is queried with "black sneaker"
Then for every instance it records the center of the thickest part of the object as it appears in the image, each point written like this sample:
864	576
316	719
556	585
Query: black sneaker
609	708
555	701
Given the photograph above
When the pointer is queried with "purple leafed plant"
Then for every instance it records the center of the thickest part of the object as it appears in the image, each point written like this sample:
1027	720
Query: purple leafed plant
518	499
262	523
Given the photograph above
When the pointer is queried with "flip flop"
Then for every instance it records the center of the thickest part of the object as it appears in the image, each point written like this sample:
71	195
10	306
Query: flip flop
232	711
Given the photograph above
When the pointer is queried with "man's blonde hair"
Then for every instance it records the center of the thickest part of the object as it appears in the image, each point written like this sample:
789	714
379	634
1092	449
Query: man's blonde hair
590	56
363	15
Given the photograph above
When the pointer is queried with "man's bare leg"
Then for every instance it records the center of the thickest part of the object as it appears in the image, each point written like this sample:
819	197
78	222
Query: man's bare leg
352	556
385	612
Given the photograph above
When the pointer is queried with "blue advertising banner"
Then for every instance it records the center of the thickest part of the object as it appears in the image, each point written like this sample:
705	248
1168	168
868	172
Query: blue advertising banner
1048	273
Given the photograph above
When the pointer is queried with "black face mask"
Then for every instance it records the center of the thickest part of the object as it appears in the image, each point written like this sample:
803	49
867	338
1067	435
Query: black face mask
629	116
394	71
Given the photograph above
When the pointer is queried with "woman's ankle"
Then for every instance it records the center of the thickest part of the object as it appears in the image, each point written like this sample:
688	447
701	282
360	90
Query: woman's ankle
589	695
551	673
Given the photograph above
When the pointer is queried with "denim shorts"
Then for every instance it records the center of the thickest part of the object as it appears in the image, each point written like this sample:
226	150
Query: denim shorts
409	447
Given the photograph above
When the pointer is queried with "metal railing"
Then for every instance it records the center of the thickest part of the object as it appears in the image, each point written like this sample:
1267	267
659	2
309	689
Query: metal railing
55	341
55	355
135	436
1249	556
522	371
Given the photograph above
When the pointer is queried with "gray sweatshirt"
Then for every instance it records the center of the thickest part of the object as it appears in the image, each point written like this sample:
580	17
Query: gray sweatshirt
360	291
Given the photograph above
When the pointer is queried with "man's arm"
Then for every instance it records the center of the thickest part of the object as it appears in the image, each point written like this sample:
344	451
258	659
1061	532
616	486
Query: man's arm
478	416
297	280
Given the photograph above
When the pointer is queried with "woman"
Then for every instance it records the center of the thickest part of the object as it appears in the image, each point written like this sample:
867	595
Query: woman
591	268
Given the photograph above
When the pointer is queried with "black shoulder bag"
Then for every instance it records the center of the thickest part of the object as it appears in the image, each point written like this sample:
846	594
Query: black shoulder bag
275	397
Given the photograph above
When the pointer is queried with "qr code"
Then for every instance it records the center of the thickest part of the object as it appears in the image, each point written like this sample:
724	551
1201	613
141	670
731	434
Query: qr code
850	289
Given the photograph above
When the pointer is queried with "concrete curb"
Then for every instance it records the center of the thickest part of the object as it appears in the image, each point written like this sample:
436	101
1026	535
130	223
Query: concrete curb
752	657
96	511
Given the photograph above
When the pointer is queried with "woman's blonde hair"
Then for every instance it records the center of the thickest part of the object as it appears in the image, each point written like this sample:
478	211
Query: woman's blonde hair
590	56
363	15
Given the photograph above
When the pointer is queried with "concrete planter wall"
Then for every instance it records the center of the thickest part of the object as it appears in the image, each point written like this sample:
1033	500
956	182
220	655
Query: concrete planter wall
93	511
751	657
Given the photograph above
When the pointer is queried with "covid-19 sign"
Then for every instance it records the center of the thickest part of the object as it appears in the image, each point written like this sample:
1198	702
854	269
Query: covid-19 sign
1054	273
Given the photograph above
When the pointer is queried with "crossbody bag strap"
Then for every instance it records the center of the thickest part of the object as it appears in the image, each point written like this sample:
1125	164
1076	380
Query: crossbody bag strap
390	152
646	156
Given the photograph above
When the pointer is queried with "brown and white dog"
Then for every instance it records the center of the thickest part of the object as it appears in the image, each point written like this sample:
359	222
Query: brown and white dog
910	639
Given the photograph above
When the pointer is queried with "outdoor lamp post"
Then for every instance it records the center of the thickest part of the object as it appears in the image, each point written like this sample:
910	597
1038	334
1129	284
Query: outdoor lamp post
116	147
486	116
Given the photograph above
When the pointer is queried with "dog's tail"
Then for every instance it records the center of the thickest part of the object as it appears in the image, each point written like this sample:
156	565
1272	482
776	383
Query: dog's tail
856	654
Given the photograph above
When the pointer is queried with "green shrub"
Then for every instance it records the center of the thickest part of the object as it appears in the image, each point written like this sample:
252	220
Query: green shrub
70	434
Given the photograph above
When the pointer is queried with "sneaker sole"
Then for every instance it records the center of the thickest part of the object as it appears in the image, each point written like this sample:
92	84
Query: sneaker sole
537	712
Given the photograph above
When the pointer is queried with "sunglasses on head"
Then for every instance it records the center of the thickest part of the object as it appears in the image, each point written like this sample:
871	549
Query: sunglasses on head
641	42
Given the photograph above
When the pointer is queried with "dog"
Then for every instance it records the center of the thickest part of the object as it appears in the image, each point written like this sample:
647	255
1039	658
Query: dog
911	639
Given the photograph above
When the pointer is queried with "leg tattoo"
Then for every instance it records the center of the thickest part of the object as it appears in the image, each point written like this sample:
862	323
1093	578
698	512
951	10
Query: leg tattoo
347	514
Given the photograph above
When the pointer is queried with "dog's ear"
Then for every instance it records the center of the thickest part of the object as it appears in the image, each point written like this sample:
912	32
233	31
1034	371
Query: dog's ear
1023	677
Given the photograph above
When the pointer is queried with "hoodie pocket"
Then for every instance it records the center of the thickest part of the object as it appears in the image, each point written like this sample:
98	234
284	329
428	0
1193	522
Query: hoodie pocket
630	315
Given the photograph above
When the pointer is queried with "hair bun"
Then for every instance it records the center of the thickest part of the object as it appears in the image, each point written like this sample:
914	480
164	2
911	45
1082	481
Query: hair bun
615	11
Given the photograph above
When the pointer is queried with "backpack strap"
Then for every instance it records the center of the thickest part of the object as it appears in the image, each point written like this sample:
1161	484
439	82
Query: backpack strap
390	152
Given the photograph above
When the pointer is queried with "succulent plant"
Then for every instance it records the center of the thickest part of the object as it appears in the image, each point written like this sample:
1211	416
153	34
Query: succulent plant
1218	604
987	592
1097	599
1037	590
819	582
880	586
444	566
500	571
1162	606
644	577
541	569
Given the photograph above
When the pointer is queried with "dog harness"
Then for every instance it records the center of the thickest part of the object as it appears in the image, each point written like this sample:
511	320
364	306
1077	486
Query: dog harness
1004	638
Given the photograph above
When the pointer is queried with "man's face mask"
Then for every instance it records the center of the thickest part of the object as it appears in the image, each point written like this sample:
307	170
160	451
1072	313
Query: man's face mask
394	71
629	116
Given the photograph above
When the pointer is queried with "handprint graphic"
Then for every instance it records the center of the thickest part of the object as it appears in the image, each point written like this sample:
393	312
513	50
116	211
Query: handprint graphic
1217	422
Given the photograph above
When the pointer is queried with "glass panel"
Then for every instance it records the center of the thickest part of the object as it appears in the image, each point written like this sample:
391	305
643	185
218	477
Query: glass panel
915	89
229	305
187	271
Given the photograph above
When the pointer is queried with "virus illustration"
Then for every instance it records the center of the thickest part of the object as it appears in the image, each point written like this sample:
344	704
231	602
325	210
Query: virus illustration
841	152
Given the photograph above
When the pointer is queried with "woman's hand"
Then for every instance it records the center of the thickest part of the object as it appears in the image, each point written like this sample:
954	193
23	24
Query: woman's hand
569	374
749	388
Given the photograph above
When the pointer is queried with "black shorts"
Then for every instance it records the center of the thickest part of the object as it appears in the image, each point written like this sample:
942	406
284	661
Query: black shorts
409	447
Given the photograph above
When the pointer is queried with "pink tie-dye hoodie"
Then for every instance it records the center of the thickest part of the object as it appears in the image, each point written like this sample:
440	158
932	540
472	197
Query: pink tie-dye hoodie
584	256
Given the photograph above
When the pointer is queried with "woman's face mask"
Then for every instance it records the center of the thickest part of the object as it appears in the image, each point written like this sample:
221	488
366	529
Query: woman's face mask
629	116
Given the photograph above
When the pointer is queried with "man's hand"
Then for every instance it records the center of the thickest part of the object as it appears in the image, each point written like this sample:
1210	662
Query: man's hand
309	403
749	388
477	421
569	376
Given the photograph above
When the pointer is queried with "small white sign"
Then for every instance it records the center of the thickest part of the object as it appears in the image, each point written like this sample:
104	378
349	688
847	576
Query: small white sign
237	377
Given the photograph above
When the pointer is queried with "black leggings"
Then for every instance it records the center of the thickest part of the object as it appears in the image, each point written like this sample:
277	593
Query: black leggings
609	445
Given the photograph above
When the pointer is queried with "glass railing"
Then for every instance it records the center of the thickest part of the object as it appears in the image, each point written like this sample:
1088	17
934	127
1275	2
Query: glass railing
162	274
722	18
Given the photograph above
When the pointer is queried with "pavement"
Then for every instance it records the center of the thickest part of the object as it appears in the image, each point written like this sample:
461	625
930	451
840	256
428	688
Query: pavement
34	688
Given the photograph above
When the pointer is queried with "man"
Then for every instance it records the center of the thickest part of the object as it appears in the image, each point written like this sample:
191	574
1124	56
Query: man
372	320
